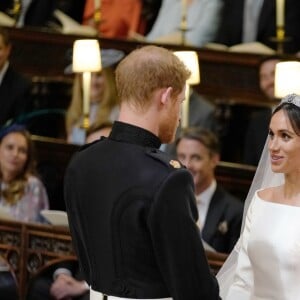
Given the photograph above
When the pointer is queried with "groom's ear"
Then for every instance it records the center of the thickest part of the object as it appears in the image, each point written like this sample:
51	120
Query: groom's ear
166	95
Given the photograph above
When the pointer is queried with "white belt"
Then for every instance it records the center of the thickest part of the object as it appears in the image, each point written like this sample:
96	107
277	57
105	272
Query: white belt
94	295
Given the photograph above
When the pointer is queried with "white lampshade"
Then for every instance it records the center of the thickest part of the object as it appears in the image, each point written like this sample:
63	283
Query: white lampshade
86	56
287	78
190	59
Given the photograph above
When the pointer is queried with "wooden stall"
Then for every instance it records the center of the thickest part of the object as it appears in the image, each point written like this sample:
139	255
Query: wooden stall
30	248
44	54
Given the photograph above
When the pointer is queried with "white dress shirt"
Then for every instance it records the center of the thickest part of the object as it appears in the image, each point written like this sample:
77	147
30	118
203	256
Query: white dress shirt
203	201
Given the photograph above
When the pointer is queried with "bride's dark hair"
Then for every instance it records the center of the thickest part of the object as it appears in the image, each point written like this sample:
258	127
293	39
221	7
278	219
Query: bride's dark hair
292	111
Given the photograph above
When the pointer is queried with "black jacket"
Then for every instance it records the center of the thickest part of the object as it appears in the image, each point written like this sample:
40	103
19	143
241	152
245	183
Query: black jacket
14	95
132	215
231	24
223	221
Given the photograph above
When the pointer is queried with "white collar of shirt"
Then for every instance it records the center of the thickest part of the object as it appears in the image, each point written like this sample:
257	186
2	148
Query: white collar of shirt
203	204
3	71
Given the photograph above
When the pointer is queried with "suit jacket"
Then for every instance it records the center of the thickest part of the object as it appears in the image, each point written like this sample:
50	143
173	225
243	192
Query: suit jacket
14	95
223	221
40	12
256	136
231	25
132	216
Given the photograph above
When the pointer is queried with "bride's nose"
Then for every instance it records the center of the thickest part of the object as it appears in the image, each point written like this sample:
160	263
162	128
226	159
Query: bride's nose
273	144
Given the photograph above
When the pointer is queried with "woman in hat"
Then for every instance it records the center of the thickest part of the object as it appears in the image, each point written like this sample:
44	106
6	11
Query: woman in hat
103	102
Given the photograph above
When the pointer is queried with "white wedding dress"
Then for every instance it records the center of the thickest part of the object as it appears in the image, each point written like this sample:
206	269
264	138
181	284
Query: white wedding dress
268	266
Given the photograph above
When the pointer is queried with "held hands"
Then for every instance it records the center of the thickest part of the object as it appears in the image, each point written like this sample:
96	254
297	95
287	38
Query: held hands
65	287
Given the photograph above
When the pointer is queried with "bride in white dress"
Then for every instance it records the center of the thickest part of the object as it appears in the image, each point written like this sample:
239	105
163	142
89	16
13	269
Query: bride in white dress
265	264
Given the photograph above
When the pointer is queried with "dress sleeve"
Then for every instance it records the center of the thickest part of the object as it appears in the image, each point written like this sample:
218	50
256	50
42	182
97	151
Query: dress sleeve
37	199
243	277
177	242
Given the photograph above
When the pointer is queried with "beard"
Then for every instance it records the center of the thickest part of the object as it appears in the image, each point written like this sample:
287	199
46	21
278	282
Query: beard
168	129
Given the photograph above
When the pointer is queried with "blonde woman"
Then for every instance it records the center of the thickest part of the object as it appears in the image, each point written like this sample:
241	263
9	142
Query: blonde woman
104	104
22	194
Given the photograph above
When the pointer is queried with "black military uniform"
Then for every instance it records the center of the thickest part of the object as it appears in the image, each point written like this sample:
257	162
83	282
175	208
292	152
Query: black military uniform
132	216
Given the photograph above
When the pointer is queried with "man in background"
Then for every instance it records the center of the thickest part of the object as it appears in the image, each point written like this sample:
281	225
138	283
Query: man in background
245	21
14	88
220	213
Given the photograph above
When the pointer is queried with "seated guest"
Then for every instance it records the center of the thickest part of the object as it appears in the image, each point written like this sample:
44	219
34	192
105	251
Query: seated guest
14	88
22	194
104	104
202	22
244	21
220	213
258	126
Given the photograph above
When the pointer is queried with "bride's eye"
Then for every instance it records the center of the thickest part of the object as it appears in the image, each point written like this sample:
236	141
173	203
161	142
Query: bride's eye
271	134
285	136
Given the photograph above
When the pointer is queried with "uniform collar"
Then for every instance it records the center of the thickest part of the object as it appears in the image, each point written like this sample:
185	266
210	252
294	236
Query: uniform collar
125	132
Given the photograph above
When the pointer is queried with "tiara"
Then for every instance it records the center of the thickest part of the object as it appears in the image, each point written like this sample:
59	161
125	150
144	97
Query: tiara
292	98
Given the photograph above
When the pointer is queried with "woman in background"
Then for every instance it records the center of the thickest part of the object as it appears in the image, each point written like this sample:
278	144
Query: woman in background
104	104
22	194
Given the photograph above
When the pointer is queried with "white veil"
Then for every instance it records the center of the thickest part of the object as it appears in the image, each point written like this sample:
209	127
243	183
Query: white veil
264	178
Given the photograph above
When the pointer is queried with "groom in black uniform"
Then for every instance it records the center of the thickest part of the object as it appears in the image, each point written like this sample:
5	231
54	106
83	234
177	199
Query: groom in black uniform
131	207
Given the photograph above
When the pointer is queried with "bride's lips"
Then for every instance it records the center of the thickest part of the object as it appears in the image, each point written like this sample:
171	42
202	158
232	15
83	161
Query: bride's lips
275	159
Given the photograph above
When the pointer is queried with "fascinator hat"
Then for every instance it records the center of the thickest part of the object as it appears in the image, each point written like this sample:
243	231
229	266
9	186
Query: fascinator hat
109	58
264	178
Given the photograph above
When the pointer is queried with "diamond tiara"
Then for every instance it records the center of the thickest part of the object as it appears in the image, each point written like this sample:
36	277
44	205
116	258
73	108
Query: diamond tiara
291	98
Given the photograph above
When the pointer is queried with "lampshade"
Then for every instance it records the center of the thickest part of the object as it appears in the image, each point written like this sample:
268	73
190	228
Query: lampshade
86	56
190	59
287	78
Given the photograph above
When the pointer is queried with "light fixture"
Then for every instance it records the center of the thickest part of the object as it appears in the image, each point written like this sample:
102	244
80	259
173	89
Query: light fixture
190	59
86	59
287	78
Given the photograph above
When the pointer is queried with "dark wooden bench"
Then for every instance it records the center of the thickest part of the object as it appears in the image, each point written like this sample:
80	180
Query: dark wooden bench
31	249
236	178
225	75
28	248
